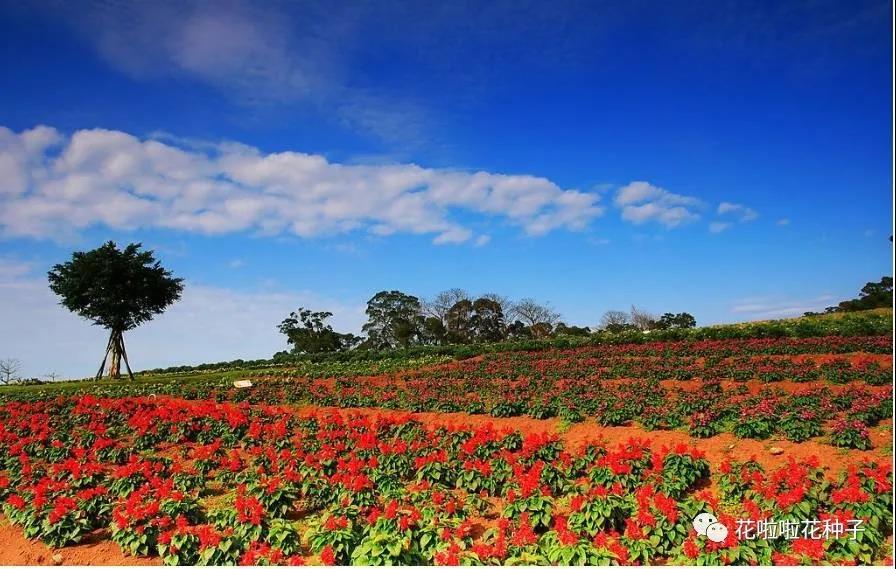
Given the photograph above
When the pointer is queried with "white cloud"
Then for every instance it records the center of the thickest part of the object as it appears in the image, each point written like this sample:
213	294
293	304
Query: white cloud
236	264
483	240
771	307
102	177
642	202
719	226
211	323
267	59
782	222
739	211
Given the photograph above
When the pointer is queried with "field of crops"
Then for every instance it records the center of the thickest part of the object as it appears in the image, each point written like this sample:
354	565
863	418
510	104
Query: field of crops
599	454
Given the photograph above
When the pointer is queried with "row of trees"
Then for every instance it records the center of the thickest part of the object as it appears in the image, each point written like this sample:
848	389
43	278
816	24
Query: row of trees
10	374
399	320
873	295
119	289
396	319
637	319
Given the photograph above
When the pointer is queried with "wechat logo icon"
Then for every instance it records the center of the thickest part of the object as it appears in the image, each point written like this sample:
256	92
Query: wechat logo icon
708	525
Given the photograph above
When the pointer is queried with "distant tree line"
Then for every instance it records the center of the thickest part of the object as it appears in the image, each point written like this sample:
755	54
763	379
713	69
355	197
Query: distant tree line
637	319
873	295
399	320
9	374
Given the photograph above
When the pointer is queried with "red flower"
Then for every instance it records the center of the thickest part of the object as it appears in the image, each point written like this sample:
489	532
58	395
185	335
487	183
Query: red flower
524	534
784	559
248	510
61	508
633	530
620	552
16	502
811	548
208	537
328	556
449	557
690	548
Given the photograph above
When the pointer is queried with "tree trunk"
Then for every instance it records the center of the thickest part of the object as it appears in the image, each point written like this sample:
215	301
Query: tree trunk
99	372
116	346
124	354
115	364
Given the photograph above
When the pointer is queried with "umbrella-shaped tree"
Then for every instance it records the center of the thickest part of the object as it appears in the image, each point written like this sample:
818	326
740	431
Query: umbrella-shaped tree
118	289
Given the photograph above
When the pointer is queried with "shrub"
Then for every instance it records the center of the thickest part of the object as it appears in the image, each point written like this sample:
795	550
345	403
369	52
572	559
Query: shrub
704	424
799	426
850	434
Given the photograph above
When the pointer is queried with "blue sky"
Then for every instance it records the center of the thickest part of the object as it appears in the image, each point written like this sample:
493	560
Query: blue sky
730	159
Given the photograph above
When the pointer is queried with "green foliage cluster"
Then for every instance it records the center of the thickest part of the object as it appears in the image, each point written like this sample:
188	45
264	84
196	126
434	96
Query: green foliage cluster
873	295
870	323
118	289
308	333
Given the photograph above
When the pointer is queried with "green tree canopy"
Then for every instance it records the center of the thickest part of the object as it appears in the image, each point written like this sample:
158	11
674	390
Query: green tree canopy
393	319
872	295
487	323
308	333
681	320
118	289
459	322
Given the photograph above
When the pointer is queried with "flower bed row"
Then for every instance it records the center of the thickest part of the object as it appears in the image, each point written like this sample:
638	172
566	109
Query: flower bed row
842	415
198	482
736	360
767	360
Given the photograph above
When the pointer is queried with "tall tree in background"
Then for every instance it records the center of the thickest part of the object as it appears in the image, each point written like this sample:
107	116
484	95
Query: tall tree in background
9	370
539	318
682	320
531	312
505	303
459	322
309	333
615	321
439	306
118	289
516	330
872	295
434	331
487	323
643	320
393	319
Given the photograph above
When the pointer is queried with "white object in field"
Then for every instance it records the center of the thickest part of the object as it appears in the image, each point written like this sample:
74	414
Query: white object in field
242	384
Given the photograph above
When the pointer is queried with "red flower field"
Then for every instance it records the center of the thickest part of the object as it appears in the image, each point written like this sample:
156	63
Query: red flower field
599	455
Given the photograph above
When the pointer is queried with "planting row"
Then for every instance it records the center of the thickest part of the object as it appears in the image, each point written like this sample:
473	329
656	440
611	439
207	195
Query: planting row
585	364
766	360
198	482
843	416
840	415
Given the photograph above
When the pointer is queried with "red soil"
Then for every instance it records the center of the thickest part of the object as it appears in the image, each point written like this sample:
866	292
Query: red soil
15	549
